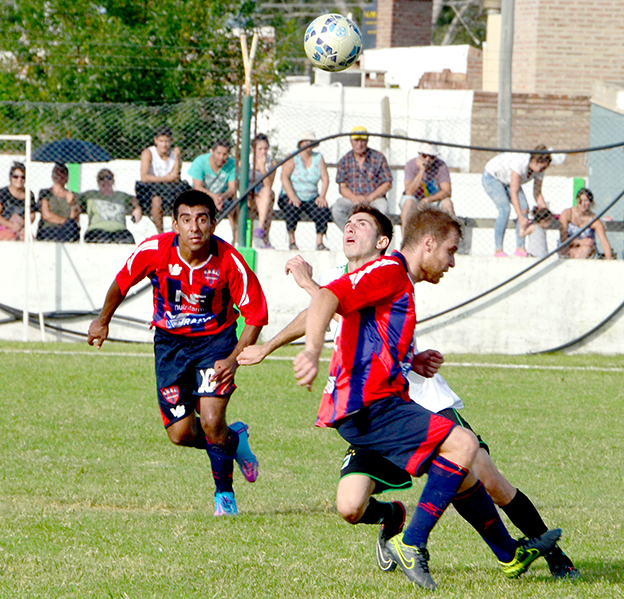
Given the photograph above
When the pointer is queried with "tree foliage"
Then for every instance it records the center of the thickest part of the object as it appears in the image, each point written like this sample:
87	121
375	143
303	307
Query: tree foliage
148	51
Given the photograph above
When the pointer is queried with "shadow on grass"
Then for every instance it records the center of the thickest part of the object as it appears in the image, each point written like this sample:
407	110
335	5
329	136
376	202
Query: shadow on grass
595	570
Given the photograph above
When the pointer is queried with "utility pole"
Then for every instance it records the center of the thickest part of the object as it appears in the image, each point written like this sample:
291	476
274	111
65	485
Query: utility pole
504	74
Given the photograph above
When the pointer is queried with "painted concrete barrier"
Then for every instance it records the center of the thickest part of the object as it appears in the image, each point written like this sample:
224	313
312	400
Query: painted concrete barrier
550	305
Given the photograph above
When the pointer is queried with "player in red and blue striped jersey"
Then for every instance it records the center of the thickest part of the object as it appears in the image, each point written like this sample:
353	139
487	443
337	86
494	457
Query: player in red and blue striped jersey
384	418
380	301
199	282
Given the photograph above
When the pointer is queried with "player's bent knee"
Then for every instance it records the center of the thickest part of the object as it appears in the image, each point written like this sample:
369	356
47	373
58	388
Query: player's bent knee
180	437
461	446
349	510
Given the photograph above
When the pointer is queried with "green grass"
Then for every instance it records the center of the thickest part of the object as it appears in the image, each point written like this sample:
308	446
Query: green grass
96	502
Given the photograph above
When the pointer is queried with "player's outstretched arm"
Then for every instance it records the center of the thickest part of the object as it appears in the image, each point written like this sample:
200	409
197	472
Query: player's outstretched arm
323	307
98	329
427	363
302	272
225	369
254	354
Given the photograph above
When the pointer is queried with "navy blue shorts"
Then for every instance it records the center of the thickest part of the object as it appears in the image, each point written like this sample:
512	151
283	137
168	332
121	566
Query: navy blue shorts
403	432
184	366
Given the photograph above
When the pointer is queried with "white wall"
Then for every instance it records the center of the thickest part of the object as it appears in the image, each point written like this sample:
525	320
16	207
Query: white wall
539	311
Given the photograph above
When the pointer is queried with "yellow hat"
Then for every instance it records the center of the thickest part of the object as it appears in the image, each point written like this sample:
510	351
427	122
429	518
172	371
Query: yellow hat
359	133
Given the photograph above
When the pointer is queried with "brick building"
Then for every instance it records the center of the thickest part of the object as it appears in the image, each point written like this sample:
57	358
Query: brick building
403	23
563	46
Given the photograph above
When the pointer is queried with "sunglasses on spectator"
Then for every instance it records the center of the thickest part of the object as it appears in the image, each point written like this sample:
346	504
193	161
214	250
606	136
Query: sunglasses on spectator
105	178
427	155
18	177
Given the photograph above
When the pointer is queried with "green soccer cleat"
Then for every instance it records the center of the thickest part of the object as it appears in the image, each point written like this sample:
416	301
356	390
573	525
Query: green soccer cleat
388	530
414	561
528	551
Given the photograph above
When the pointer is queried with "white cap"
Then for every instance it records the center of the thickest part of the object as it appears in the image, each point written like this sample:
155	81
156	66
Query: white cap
306	136
429	149
557	159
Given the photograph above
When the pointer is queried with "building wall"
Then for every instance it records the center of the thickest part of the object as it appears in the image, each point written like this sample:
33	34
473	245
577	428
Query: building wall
559	122
563	46
402	23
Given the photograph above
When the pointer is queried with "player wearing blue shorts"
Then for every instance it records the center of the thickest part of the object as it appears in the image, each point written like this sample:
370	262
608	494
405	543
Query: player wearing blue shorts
198	279
367	472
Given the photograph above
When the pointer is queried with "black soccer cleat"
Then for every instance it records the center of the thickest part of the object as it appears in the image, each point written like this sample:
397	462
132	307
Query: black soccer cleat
561	566
390	528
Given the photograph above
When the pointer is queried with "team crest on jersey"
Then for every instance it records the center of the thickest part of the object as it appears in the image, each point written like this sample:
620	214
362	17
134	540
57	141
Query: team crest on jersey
171	394
211	275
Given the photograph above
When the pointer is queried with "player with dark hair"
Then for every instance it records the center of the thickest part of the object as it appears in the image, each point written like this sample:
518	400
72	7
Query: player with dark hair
366	472
366	396
197	279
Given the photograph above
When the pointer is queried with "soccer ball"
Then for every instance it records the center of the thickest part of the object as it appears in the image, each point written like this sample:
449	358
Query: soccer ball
332	42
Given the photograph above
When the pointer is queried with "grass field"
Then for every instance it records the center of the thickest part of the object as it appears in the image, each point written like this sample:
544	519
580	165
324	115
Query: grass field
96	502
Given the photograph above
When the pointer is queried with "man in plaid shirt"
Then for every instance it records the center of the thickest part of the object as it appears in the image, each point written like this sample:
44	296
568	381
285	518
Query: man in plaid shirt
363	176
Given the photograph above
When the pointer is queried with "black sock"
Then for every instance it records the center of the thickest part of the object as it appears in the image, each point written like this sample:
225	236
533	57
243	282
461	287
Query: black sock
477	508
376	512
557	558
524	516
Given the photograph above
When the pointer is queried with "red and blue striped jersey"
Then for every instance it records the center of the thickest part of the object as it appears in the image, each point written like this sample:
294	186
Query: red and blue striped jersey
374	348
195	301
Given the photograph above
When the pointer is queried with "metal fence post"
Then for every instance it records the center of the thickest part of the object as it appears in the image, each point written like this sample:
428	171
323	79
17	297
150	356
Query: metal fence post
244	169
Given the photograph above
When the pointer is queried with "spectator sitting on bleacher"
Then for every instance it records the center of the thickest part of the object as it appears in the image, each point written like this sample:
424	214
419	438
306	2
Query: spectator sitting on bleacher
160	181
572	220
13	205
364	177
107	210
261	199
300	177
215	175
59	210
427	180
541	220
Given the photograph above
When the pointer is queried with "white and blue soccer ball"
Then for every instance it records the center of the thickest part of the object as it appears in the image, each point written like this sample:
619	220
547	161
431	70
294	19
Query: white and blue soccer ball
332	42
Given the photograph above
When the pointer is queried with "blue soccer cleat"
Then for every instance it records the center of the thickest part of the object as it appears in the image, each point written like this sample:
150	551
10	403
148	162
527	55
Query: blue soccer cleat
246	460
225	504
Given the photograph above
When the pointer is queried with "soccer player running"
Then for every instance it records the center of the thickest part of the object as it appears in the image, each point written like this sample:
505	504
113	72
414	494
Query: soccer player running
366	397
197	279
366	472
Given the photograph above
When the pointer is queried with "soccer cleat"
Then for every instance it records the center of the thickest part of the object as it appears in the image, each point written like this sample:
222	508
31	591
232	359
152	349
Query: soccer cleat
225	504
388	530
246	460
561	566
528	551
565	572
414	561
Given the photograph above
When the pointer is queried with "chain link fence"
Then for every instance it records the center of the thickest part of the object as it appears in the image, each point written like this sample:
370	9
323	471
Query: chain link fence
103	206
